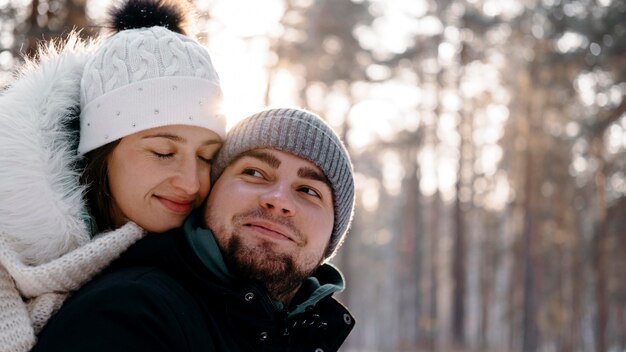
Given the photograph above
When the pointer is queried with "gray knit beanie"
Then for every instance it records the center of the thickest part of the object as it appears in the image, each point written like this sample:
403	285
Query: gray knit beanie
307	136
145	78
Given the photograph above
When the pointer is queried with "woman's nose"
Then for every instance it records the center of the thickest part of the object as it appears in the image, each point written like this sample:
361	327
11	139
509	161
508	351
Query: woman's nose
187	178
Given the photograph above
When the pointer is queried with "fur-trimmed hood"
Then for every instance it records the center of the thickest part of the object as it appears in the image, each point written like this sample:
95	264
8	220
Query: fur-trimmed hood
46	250
42	212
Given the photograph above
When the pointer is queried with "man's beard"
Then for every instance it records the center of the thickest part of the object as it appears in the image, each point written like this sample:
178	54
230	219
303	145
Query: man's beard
280	273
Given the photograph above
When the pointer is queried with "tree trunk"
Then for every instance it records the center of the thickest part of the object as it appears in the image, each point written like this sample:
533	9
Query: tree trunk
459	250
601	247
434	270
409	258
529	310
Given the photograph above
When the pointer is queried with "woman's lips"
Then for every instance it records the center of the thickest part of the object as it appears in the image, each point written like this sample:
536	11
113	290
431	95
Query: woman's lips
176	206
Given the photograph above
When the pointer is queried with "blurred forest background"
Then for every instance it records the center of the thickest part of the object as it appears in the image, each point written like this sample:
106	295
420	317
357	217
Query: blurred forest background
489	141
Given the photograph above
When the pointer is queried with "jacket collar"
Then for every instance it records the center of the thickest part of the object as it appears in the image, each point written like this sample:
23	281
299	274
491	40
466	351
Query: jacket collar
203	244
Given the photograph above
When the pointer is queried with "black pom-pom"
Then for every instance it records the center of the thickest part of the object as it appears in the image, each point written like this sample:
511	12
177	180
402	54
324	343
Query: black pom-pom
174	15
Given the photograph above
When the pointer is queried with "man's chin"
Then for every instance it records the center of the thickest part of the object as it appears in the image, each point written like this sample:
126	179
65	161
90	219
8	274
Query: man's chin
259	259
278	272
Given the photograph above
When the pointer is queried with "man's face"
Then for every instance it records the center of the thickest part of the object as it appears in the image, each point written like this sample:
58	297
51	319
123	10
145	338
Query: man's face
272	216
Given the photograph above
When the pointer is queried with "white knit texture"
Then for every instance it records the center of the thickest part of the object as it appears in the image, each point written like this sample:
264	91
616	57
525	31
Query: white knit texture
41	308
148	104
29	295
116	93
71	270
16	331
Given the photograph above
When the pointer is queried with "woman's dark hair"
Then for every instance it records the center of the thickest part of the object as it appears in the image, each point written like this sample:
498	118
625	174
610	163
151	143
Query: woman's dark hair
96	176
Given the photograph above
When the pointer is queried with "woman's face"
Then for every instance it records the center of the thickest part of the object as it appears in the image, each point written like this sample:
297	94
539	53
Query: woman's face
157	176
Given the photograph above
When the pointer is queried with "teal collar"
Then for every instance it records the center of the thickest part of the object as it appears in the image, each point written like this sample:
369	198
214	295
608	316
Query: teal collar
204	245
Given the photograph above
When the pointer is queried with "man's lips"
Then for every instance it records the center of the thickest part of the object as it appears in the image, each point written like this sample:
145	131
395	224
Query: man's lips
176	205
270	229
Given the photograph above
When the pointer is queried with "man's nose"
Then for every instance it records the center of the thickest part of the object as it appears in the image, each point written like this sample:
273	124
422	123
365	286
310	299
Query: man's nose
278	199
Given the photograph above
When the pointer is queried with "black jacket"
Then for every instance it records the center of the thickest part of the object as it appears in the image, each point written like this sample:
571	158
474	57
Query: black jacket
160	297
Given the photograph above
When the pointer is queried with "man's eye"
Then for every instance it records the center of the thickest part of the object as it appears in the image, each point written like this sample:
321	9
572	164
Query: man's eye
310	191
252	172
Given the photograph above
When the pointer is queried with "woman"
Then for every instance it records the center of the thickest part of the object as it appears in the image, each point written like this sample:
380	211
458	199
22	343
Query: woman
149	126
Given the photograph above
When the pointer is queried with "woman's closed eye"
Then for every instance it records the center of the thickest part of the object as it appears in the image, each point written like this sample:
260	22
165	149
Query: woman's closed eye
208	161
163	155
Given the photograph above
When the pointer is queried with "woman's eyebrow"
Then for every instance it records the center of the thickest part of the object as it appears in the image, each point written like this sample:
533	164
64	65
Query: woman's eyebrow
170	136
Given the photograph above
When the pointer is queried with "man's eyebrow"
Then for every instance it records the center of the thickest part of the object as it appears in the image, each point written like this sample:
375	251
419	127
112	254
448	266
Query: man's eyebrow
268	158
263	156
312	174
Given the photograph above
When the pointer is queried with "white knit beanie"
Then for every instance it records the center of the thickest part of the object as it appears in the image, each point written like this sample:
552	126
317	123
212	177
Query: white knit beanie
145	78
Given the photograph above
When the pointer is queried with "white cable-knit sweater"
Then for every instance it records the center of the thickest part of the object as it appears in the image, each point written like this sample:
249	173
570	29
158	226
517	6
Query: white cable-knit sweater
46	251
29	295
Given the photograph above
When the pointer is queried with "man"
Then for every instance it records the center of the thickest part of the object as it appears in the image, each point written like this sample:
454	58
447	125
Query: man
249	275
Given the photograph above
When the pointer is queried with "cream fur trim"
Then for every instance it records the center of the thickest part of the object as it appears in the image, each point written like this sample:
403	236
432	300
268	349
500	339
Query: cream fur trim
41	205
45	248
